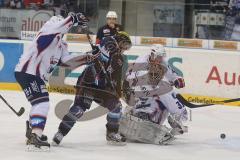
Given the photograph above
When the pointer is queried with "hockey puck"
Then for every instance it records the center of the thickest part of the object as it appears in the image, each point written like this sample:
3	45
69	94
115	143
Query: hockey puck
223	136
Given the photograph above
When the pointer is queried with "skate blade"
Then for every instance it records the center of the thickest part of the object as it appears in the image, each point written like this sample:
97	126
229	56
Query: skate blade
33	148
114	143
54	144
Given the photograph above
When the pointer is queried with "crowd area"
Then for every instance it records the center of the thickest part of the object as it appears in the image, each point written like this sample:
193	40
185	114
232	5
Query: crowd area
203	19
60	7
56	5
20	4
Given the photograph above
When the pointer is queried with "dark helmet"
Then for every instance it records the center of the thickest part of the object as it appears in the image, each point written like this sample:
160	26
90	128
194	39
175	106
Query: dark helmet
123	40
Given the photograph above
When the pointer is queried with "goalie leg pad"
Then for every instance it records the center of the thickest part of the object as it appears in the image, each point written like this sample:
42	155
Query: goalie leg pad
136	129
177	126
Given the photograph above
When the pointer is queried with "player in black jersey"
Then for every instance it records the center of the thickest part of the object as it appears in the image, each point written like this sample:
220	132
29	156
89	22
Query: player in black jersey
110	29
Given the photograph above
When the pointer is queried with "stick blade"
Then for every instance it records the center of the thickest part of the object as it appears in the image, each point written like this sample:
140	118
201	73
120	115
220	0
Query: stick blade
21	111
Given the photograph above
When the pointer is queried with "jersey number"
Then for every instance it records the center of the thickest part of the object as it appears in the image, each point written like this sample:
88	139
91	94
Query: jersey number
180	105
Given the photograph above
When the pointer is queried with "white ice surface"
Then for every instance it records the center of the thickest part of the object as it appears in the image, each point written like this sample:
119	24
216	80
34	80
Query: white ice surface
86	141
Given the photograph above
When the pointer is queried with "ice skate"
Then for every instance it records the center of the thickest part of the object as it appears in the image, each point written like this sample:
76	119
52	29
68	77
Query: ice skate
35	144
57	138
115	139
29	132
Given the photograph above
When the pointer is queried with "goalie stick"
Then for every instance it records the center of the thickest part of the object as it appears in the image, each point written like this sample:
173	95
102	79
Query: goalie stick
19	113
191	105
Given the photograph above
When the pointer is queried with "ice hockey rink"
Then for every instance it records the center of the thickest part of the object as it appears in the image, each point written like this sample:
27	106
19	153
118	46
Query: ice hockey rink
87	139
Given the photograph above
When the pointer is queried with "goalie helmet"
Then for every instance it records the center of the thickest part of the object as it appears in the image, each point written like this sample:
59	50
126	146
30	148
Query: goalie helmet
156	69
123	40
157	53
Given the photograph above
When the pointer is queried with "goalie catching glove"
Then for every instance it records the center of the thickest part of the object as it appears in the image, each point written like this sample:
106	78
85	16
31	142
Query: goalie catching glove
179	83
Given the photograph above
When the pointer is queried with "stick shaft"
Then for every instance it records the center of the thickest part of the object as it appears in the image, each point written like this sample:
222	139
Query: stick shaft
8	104
191	105
102	67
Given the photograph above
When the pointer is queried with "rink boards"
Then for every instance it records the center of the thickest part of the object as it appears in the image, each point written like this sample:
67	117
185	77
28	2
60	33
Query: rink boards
210	75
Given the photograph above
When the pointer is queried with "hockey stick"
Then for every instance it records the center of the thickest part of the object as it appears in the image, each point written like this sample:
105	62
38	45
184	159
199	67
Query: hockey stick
102	67
19	113
89	38
191	105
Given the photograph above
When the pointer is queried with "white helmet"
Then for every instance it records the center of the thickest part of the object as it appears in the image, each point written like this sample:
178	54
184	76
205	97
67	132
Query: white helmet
111	14
157	50
55	19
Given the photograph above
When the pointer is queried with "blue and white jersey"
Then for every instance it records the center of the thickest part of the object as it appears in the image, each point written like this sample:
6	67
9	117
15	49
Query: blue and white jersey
137	75
46	50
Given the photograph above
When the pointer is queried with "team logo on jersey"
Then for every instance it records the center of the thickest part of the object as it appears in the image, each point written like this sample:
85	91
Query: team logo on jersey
34	86
37	121
106	31
28	92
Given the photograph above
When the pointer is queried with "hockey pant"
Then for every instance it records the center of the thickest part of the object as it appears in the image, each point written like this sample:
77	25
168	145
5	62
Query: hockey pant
36	92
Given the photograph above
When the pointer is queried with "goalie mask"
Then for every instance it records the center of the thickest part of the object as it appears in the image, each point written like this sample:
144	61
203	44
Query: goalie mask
123	40
156	69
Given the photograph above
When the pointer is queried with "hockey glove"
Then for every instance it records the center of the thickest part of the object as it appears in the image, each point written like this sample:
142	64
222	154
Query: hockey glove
179	83
79	19
95	50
